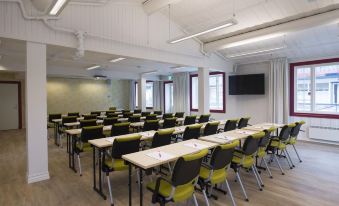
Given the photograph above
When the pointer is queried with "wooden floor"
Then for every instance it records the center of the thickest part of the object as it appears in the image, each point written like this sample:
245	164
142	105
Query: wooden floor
313	182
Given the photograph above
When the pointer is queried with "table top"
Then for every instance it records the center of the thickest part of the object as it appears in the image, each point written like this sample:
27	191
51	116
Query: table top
60	120
263	126
78	131
227	137
176	150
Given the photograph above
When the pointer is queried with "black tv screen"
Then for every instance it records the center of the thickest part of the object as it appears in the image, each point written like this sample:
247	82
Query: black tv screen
247	84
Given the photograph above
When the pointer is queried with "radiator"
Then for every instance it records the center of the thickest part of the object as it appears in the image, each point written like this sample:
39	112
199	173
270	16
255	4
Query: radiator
324	133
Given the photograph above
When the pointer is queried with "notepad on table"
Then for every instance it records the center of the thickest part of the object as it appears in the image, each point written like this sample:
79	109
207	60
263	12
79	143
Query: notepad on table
159	155
245	132
195	145
223	137
111	139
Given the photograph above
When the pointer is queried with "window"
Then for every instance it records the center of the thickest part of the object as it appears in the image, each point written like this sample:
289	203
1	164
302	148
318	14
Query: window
149	95
136	89
216	92
315	88
168	96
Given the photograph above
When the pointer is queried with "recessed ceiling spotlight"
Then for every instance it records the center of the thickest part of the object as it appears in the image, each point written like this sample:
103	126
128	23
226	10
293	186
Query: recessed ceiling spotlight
117	60
93	67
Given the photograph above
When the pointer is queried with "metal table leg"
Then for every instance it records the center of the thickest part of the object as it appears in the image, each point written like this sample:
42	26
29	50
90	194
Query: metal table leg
98	190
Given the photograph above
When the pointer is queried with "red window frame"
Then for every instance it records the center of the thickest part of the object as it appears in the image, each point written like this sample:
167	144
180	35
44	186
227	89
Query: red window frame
224	93
166	82
292	69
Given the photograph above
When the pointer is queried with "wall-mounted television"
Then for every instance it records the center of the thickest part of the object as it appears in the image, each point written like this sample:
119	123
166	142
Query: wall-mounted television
252	84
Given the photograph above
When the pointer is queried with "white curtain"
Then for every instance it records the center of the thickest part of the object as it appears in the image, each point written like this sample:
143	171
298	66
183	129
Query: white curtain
156	95
132	95
181	92
278	91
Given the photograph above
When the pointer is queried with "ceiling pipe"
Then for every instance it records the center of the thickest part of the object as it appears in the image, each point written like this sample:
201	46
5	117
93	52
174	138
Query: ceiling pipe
326	15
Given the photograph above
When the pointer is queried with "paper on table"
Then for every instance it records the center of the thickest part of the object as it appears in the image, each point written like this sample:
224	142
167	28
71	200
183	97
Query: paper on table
147	134
223	137
111	139
195	145
160	155
245	132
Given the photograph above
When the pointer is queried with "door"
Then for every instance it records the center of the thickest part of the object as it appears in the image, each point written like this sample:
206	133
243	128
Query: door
168	96
9	108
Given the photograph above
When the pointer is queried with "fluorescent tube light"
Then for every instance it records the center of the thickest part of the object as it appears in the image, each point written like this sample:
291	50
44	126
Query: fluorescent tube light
93	67
118	59
254	52
253	40
223	25
57	6
151	72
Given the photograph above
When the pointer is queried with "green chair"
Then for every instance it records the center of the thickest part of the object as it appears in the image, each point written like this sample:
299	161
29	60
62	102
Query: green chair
137	111
230	124
110	121
112	109
110	115
263	144
62	127
91	116
51	117
278	143
120	129
88	123
182	184
82	145
169	122
125	111
245	158
151	117
134	118
73	114
167	115
97	113
109	112
145	114
204	118
121	146
190	120
243	122
216	171
293	137
157	112
211	128
192	132
162	137
127	114
179	114
151	125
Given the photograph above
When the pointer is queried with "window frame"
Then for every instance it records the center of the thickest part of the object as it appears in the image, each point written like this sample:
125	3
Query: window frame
166	82
223	110
293	67
136	89
148	81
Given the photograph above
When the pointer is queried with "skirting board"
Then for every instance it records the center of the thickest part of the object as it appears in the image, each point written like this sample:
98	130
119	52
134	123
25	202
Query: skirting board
37	177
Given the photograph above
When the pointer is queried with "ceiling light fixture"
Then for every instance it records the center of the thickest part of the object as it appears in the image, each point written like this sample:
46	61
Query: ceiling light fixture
223	25
253	40
151	72
57	7
93	67
118	59
264	51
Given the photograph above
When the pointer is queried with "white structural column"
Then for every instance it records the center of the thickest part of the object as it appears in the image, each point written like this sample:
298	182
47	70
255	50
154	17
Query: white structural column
142	93
204	96
36	113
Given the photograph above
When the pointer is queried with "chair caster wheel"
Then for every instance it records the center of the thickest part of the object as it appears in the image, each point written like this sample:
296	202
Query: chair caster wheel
283	173
262	185
271	177
260	189
300	161
247	200
81	175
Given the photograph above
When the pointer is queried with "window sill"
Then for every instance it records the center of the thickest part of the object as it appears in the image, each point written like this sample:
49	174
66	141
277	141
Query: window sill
315	115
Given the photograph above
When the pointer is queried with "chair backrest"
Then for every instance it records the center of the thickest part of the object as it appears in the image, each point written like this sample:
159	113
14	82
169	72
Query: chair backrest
134	118
211	128
230	125
157	112
53	116
110	115
120	129
162	137
125	111
285	132
88	123
192	132
127	114
73	114
151	117
222	155
110	120
167	115
251	143
91	116
169	122
137	111
204	118
151	125
190	120
109	112
68	119
92	132
112	109
145	114
187	168
243	122
266	139
179	114
295	130
97	113
125	145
